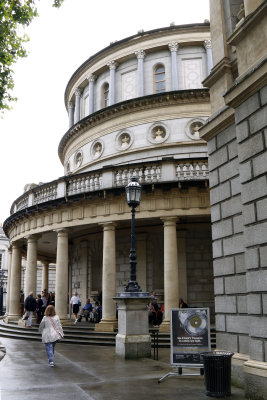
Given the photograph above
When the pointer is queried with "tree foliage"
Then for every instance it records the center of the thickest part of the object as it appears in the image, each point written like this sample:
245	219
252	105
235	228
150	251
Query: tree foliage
13	15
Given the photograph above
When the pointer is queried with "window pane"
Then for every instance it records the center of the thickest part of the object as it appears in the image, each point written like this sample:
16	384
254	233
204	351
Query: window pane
159	69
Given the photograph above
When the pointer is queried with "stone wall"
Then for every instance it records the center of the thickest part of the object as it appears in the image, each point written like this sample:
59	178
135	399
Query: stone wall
237	162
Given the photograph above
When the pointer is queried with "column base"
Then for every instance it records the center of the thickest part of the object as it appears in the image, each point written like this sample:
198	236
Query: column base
11	318
106	326
165	327
65	321
133	346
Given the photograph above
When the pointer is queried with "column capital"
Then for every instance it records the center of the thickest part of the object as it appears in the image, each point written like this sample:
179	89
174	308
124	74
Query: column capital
112	64
140	54
17	244
33	238
70	105
173	46
78	92
207	44
62	231
92	78
108	226
169	220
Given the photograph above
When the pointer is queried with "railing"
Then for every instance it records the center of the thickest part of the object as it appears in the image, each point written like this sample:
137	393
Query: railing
22	203
165	171
149	174
88	183
192	171
44	194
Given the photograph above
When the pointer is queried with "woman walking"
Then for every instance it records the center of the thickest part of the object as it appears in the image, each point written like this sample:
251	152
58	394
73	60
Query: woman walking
52	332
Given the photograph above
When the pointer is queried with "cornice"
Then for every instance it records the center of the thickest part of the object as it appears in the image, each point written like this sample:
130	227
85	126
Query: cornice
224	66
217	122
129	106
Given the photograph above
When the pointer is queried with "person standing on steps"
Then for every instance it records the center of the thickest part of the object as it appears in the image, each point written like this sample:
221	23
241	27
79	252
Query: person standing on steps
75	303
29	307
52	332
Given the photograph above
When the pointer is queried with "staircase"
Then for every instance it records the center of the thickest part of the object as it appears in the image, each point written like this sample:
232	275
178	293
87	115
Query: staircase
83	333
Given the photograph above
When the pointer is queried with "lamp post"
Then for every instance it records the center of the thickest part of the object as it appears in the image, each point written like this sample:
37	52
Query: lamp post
133	196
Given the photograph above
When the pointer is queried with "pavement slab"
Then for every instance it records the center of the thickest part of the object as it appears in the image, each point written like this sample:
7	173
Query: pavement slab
92	373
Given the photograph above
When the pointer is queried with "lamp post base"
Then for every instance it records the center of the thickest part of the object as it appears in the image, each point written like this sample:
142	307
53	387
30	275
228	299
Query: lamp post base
133	339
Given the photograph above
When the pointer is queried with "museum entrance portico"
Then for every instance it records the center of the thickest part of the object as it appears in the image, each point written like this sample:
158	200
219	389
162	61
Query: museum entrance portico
89	240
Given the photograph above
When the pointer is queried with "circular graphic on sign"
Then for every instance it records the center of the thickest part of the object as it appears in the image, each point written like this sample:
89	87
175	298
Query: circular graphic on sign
195	324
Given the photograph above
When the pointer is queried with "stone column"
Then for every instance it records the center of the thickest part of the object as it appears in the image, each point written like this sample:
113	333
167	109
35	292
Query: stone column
207	45
77	105
45	275
141	260
173	46
182	270
84	271
8	279
171	295
91	79
108	322
62	275
140	54
31	265
15	283
71	114
112	82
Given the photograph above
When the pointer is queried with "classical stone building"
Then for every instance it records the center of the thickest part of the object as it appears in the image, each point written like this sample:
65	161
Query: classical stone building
135	107
237	147
4	245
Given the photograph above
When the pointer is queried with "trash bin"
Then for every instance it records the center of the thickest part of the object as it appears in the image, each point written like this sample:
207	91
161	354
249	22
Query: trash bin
217	372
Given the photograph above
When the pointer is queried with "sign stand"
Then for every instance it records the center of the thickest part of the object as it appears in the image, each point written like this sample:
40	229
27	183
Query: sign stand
180	372
190	336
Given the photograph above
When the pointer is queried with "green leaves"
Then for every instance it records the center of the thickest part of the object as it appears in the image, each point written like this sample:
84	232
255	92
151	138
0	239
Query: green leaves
13	14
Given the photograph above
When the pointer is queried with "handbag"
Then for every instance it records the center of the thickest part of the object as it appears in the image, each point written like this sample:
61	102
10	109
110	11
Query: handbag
25	316
54	326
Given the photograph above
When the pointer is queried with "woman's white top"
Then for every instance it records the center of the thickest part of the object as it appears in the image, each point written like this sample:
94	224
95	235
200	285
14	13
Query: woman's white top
49	333
74	300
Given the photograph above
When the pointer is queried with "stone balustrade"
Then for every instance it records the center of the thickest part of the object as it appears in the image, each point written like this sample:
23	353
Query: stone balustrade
45	193
108	178
88	183
192	171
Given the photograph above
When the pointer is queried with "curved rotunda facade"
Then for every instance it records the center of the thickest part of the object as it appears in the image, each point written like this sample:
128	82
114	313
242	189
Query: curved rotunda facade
135	107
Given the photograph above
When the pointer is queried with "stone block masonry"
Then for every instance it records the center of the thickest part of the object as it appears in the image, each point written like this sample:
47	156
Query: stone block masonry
238	165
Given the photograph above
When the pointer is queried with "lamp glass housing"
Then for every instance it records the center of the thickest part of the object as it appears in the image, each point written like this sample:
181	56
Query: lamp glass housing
133	192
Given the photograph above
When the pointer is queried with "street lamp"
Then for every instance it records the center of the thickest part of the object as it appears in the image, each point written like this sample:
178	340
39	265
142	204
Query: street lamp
133	196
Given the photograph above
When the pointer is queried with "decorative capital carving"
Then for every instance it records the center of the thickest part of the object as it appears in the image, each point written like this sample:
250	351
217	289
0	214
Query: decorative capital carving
207	44
140	54
70	105
92	78
78	92
112	64
173	46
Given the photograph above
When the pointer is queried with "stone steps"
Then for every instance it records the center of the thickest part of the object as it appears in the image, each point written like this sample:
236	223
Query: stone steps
81	334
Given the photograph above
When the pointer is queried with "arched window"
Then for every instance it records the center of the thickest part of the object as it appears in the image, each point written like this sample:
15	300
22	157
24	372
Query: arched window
106	95
159	79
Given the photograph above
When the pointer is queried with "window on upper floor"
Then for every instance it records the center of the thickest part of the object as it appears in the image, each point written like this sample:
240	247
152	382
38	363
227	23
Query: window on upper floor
159	79
105	95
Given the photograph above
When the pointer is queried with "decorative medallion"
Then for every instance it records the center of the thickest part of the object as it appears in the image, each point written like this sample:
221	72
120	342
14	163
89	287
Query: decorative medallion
97	149
158	133
124	140
78	158
192	128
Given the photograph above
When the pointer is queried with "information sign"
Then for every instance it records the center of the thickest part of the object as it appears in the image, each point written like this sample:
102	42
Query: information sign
190	335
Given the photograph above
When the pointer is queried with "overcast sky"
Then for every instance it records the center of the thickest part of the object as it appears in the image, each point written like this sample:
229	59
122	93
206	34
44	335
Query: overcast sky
60	41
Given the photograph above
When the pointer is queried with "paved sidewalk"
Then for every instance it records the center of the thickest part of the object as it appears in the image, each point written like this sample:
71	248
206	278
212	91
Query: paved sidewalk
91	373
